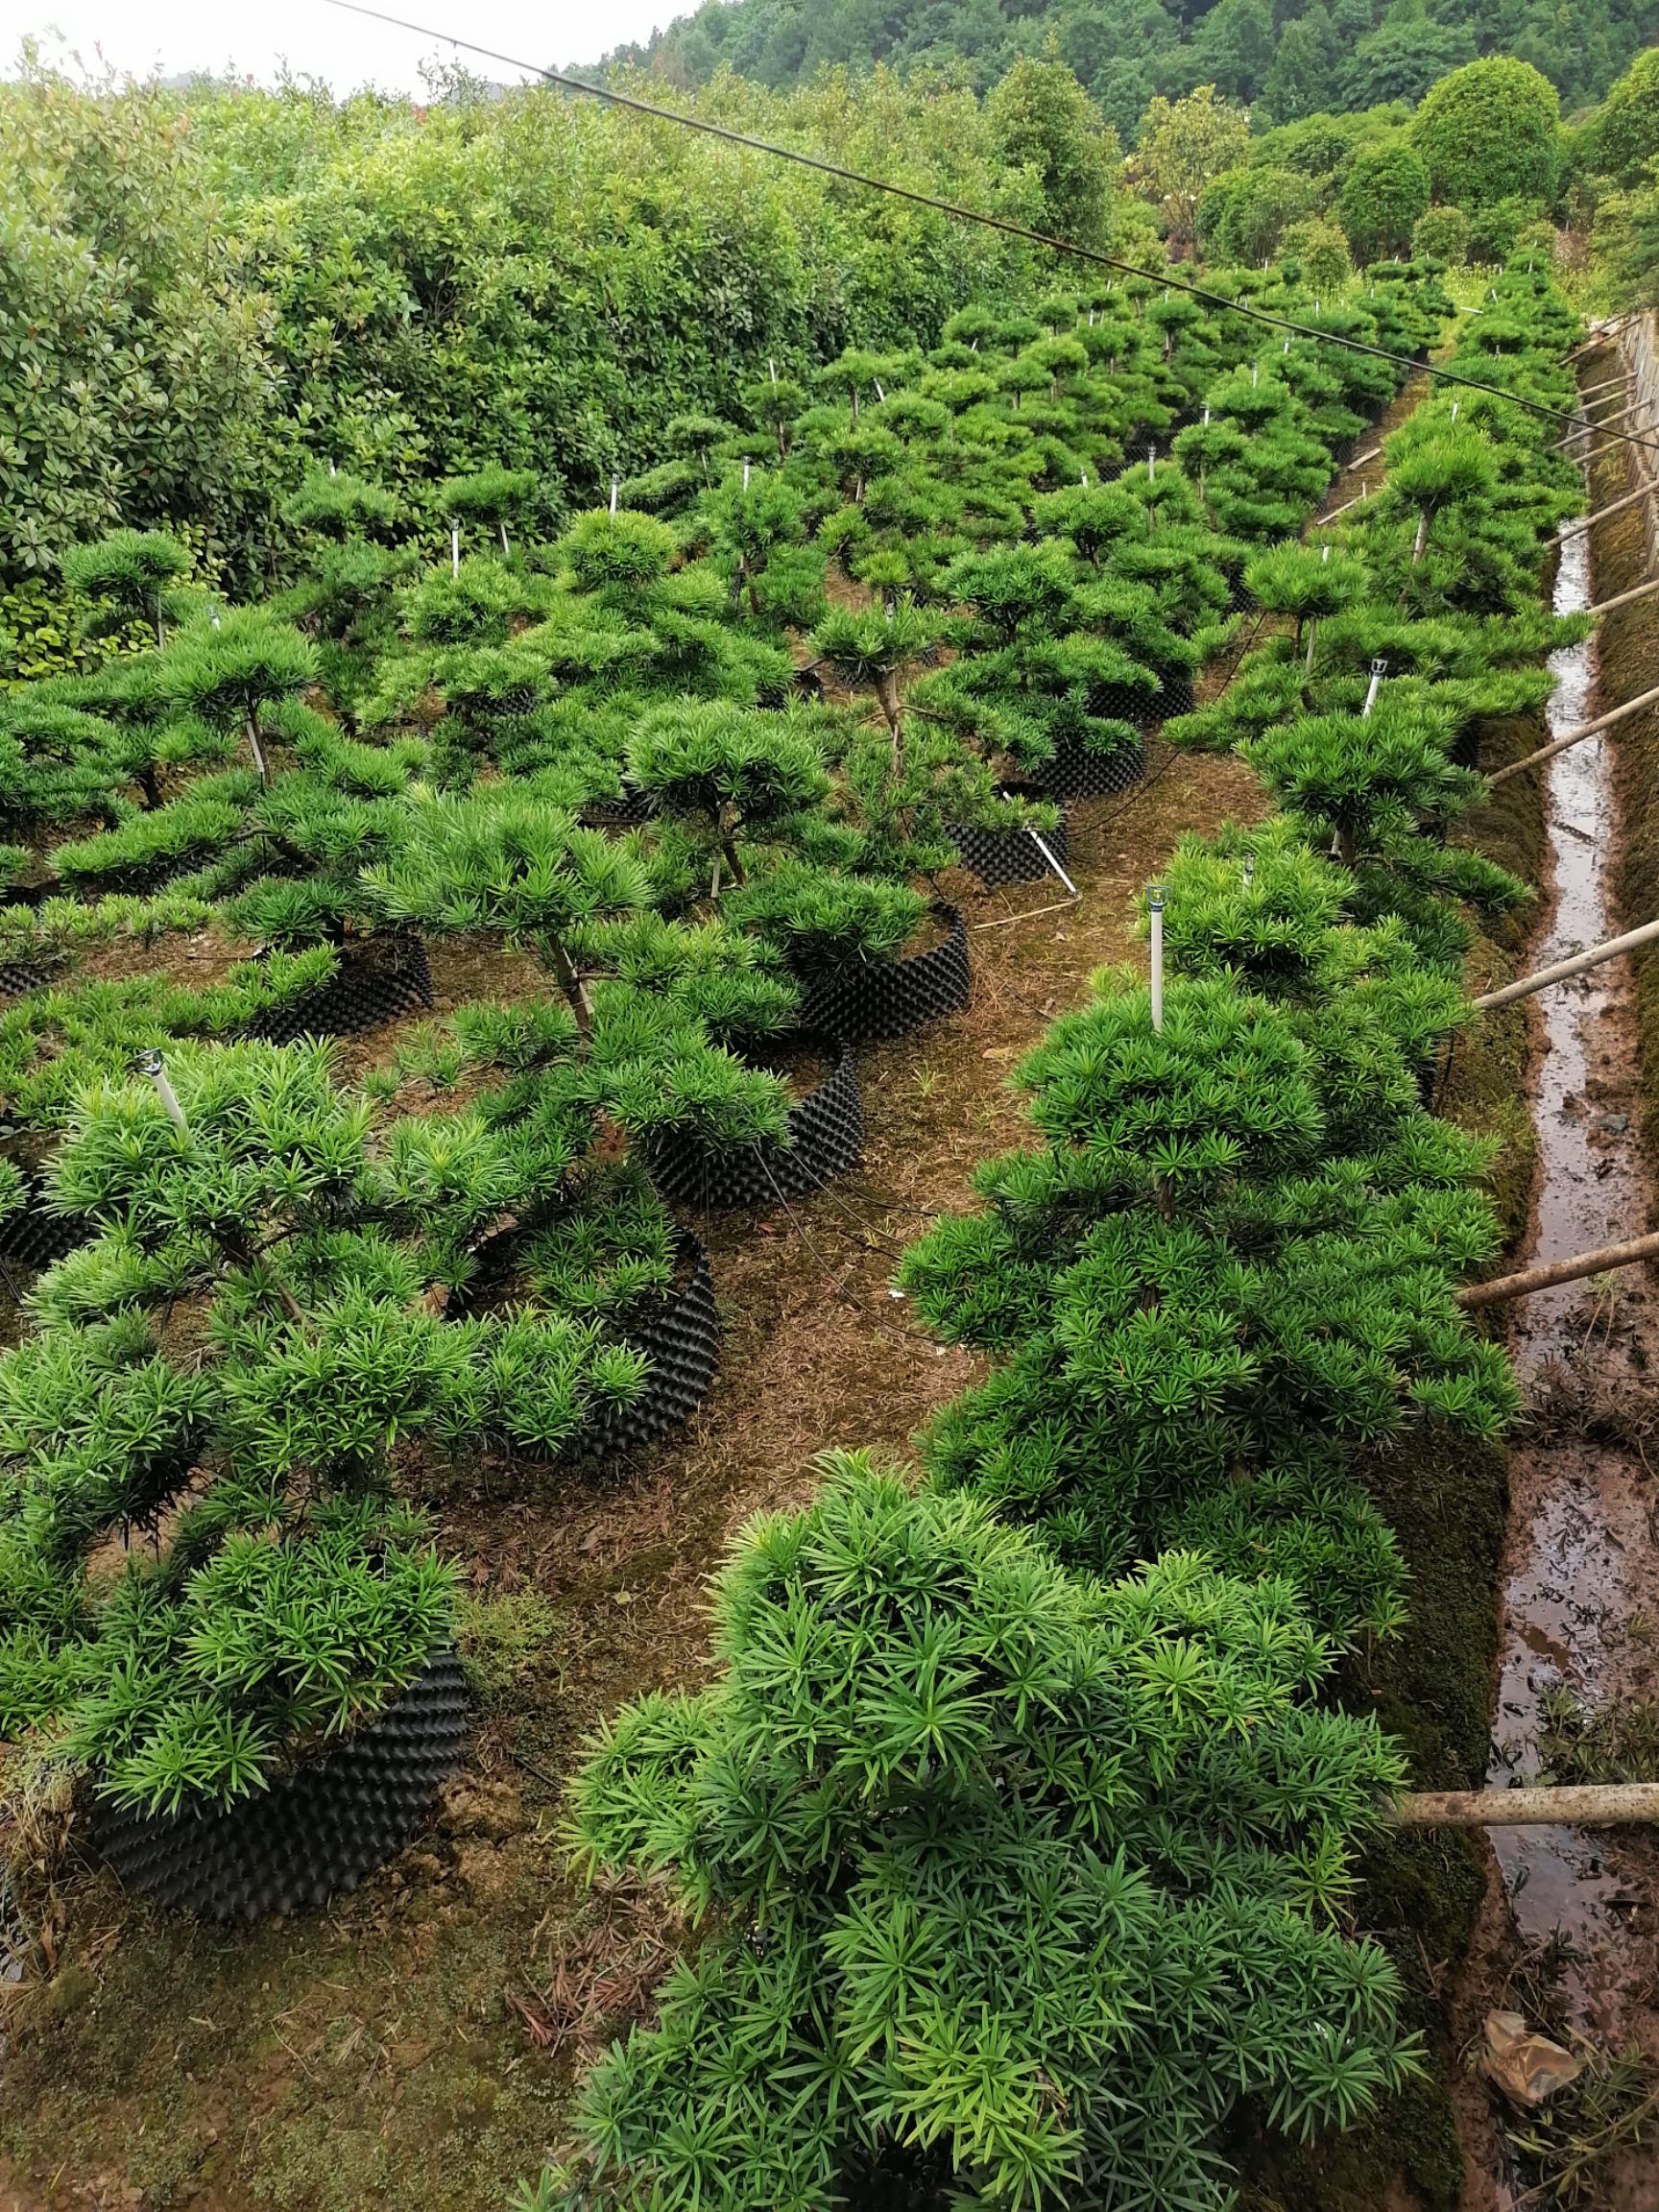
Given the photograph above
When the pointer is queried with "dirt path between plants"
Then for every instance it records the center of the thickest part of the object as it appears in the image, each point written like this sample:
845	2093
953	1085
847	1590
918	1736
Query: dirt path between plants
1570	1932
412	2048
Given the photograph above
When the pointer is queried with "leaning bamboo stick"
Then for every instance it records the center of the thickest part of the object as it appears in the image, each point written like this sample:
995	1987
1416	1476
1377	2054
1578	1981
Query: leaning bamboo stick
1625	598
1578	1804
1572	736
1503	1288
1602	423
1613	507
1573	965
1601	336
1589	391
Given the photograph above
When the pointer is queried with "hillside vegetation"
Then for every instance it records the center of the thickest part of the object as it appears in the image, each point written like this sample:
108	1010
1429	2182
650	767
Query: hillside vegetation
1289	60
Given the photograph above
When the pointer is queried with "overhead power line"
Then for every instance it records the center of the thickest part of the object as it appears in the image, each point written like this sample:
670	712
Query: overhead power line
1009	229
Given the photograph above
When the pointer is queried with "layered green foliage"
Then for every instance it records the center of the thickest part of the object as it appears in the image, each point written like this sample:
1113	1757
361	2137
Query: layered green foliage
971	1833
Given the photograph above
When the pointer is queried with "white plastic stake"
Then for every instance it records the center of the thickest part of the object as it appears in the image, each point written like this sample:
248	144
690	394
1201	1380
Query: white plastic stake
745	475
1206	418
773	366
1255	374
1083	478
880	393
153	1065
1152	464
1155	909
1379	669
1455	404
332	470
616	492
454	548
1249	870
1042	848
1325	552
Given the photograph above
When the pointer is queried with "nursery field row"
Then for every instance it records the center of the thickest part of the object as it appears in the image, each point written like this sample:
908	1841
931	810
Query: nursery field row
660	824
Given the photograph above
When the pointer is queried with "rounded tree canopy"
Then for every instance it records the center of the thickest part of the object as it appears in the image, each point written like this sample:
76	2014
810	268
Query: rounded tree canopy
1487	132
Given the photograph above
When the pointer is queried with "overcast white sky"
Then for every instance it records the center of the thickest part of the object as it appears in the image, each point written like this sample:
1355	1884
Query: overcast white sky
170	36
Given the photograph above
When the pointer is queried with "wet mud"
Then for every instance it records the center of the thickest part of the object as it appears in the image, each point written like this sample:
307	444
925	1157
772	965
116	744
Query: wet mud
1580	1584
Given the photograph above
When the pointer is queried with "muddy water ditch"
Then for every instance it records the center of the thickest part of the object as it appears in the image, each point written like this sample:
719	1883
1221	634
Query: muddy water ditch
1571	1935
1579	1571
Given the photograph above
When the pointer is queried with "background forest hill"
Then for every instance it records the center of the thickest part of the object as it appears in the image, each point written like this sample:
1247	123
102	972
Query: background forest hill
207	289
1247	119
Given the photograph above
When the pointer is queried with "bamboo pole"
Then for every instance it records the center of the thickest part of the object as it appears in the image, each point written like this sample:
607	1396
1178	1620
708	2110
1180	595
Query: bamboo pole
1589	391
1573	965
1625	598
1503	1288
1578	1804
1571	737
1602	423
1613	507
1602	335
1320	521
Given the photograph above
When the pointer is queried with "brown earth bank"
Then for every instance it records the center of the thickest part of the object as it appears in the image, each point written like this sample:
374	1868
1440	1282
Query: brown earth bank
413	2047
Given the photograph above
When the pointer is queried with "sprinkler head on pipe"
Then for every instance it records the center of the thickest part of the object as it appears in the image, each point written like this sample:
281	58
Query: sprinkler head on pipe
151	1063
1379	669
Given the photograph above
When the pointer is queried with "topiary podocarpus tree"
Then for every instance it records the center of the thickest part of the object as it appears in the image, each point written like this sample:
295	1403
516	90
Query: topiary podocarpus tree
493	495
1443	466
969	1832
497	859
757	535
871	648
1308	583
292	1598
740	772
1199	1295
131	570
1364	787
340	506
231	668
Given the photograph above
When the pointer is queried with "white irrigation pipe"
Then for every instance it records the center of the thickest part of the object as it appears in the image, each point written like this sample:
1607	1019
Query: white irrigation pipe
153	1065
454	548
1155	909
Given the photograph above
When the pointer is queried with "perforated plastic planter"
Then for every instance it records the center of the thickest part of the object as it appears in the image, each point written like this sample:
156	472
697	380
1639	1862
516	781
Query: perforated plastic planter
1010	856
826	1139
1078	773
1241	599
1126	703
315	1832
682	1340
19	978
34	1237
886	997
1176	695
376	981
